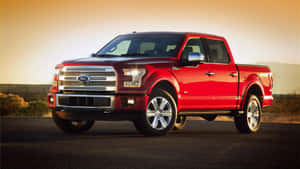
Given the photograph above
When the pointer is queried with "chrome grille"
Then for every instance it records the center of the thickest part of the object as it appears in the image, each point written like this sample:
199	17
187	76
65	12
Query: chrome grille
97	78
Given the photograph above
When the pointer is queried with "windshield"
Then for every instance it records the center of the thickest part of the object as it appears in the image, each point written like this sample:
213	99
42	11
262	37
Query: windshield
143	45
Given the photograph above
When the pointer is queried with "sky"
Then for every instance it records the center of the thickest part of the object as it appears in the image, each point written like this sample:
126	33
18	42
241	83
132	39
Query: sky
35	35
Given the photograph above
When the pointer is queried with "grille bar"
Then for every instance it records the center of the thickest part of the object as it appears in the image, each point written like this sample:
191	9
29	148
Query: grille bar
88	69
93	78
90	83
87	88
88	73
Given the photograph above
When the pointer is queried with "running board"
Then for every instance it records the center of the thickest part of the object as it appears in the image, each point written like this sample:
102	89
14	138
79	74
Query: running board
208	112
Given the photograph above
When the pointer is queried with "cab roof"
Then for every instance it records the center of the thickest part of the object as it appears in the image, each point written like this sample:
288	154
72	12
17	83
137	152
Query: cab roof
175	33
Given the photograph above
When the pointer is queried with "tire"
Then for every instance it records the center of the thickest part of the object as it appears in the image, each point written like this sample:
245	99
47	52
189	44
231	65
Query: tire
160	114
72	126
250	120
180	122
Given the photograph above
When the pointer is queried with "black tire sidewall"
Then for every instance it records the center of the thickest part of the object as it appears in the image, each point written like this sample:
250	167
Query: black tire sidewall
66	125
241	121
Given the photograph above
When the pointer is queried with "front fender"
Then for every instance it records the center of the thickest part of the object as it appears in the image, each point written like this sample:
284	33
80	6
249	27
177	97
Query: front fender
159	76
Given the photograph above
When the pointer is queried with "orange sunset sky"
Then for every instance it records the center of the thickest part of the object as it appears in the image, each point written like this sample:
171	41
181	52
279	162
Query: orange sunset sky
36	35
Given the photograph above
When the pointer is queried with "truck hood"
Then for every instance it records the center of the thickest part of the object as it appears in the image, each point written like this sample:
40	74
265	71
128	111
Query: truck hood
119	60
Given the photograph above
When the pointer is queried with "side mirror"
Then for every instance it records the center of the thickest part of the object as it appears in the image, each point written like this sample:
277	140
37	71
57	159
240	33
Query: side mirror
93	55
195	58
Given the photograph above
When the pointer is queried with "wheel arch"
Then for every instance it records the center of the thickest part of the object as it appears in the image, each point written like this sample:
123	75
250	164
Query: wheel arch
165	85
253	88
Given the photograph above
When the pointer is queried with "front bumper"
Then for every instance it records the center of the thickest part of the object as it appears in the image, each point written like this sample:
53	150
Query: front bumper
97	107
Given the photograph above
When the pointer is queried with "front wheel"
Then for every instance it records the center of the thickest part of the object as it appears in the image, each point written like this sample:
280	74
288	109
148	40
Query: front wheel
72	126
159	116
250	120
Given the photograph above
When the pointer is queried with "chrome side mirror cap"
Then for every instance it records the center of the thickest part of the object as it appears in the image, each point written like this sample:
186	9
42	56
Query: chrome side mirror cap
195	57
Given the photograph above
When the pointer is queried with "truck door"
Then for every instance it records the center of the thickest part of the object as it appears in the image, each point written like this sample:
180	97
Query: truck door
224	75
196	88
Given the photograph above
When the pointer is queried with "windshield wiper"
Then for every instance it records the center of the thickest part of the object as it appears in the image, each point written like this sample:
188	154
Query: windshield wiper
135	54
106	55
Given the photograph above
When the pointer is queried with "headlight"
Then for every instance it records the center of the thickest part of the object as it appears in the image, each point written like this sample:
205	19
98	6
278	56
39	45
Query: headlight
136	75
54	83
55	79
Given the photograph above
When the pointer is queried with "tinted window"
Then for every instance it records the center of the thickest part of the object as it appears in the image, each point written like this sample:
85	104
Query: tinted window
192	45
217	51
147	47
120	48
143	45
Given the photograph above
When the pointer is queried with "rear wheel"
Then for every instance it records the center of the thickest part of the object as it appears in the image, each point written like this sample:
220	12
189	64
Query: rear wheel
250	120
160	115
72	126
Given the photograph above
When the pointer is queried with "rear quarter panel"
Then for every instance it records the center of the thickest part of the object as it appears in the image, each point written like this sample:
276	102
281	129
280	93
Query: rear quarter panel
251	75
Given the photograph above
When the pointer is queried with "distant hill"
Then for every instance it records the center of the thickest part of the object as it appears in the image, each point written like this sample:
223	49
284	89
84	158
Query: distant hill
286	77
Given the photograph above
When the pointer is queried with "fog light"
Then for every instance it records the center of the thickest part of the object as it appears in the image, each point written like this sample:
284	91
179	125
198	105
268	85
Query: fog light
130	101
51	99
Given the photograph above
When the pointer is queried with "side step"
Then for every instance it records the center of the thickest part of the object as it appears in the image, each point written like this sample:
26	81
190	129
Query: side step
208	112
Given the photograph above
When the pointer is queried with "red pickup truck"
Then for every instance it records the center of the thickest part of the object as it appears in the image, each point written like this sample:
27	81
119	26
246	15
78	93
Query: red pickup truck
156	80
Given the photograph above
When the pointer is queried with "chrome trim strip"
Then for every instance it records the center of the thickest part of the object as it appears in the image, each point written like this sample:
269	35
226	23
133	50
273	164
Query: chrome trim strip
89	68
268	97
87	88
92	78
111	107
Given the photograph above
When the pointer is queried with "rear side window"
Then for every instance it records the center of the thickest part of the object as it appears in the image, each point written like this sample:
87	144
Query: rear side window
146	47
217	51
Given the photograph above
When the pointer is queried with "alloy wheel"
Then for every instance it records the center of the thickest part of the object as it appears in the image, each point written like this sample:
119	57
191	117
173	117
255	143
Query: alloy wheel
159	113
253	115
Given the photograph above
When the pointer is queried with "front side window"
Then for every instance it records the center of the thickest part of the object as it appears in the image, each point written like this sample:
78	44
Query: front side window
192	45
217	51
143	45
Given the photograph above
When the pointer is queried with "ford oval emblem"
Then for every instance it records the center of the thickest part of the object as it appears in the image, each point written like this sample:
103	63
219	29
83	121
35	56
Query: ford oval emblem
83	78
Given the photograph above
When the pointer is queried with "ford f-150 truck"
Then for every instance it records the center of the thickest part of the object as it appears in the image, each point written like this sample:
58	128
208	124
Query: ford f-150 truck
156	80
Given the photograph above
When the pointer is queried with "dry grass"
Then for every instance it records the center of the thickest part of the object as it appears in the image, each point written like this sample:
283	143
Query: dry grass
284	104
15	105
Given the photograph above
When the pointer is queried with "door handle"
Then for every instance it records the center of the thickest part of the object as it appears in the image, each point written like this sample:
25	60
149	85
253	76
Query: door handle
233	74
210	73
